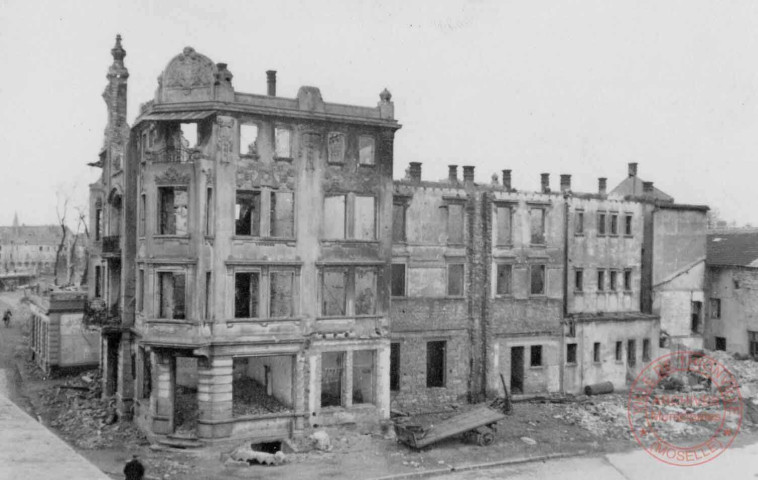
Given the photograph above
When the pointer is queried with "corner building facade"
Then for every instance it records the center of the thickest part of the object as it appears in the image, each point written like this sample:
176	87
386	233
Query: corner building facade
258	233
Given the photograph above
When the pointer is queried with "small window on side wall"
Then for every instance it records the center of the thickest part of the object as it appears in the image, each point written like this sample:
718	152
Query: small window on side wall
366	150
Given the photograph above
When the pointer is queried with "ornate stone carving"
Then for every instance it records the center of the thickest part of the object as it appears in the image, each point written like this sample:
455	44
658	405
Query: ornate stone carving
350	178
311	149
173	176
254	174
189	70
225	138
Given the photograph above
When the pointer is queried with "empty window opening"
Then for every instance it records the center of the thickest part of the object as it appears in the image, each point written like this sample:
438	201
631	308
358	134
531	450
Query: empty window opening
141	291
334	217
614	280
596	352
455	224
283	142
248	214
366	150
98	280
695	315
614	224
619	351
209	211
504	276
262	385
282	214
600	280
172	205
246	295
171	295
365	218
537	226
645	349
435	364
281	288
147	374
579	223
98	223
336	147
631	352
578	280
455	278
627	280
601	223
334	291
398	222
248	139
394	367
189	135
571	353
721	343
363	376
398	279
365	291
715	307
332	378
142	214
208	295
503	220
627	224
535	356
185	395
537	279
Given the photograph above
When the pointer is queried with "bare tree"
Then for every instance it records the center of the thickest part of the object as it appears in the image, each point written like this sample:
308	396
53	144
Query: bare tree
82	214
61	211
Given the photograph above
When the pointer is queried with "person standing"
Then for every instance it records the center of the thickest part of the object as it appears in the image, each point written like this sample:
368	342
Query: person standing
134	470
7	317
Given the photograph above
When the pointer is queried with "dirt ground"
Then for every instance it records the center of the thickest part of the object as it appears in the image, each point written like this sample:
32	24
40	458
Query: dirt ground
71	407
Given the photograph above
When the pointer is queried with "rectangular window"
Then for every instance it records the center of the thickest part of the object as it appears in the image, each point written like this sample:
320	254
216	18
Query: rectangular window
435	364
596	352
98	281
398	279
147	374
209	212
365	218
645	349
455	274
537	279
248	139
619	351
614	224
752	338
366	150
721	343
334	292
141	294
715	307
455	224
142	206
578	280
601	280
503	219
282	214
365	291
628	225
363	376
398	222
208	295
336	147
98	223
334	217
579	223
246	294
504	277
628	280
631	352
248	213
332	373
537	226
173	207
571	353
283	142
535	355
696	309
189	134
281	297
171	295
614	280
394	367
601	223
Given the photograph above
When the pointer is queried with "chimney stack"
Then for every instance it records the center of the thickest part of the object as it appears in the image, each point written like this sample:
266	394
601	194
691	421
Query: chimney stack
647	187
468	174
452	173
507	179
415	171
633	169
545	183
602	183
565	183
271	82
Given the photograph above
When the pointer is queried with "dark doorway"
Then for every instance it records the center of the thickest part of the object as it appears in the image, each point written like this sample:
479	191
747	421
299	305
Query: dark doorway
394	367
697	308
517	370
435	364
111	379
185	396
721	343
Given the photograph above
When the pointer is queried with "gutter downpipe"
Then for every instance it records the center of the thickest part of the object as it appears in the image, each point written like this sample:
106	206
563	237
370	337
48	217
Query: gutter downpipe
561	372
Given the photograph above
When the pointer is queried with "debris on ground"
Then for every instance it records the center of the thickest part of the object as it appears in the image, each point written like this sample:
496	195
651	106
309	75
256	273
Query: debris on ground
250	398
321	441
245	454
529	441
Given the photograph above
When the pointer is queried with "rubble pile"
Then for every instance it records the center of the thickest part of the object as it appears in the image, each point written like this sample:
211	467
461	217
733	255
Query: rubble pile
250	398
604	417
76	410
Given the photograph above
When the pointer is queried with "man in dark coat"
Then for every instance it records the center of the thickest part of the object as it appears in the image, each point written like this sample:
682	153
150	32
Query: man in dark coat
134	470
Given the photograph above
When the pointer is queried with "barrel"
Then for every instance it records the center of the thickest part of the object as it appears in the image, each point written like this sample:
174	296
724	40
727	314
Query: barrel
599	388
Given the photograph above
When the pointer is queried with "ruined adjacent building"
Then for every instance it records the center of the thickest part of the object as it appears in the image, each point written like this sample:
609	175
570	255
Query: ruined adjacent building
34	248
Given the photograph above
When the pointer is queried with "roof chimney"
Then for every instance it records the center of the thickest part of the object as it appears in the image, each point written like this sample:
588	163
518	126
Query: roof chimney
647	187
271	82
565	183
602	183
507	179
468	173
452	173
633	169
545	183
415	171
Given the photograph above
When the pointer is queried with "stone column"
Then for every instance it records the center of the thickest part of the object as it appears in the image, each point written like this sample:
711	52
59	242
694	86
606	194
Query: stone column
125	379
214	397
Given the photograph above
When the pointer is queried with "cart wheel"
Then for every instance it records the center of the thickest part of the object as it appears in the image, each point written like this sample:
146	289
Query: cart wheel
485	439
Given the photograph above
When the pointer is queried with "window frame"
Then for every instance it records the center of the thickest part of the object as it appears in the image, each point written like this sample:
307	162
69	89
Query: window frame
343	137
571	351
602	221
372	138
536	352
579	223
628	276
158	293
404	214
350	272
288	129
264	271
509	267
442	369
601	280
448	265
578	280
628	225
158	217
508	240
613	227
405	279
450	240
596	352
543	266
543	227
714	308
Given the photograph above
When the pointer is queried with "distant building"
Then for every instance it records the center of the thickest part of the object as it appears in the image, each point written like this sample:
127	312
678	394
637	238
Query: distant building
732	306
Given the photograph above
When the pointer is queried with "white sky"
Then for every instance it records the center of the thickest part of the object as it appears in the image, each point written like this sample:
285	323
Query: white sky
579	87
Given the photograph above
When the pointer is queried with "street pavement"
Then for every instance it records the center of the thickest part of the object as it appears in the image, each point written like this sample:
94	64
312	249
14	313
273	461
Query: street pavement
29	451
734	464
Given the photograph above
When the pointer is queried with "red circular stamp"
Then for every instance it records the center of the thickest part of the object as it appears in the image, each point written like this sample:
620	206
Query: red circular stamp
685	408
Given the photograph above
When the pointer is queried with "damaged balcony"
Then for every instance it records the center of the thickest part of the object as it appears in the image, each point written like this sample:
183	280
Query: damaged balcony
112	246
97	314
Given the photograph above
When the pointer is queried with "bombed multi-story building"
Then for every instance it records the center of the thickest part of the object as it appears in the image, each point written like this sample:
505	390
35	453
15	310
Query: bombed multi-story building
251	244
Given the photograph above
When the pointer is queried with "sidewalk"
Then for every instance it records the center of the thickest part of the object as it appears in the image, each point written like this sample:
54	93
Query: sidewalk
31	452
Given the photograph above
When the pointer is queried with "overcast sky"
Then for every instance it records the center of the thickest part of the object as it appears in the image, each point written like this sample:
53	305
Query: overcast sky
579	87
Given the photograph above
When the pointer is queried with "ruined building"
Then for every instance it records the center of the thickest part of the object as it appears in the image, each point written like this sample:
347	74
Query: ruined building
243	248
